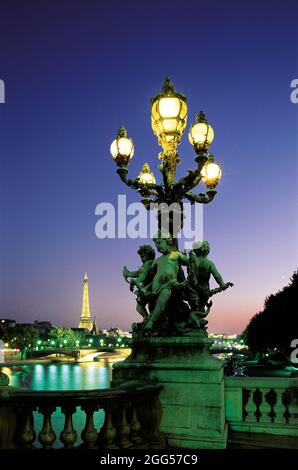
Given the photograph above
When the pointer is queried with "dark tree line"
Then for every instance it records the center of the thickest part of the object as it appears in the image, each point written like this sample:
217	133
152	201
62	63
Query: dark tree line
19	337
276	325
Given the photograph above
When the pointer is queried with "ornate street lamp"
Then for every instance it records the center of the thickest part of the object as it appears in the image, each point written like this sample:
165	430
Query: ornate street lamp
211	173
201	134
146	176
122	148
168	119
172	335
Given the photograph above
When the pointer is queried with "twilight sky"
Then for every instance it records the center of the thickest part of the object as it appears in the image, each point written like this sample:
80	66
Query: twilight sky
75	71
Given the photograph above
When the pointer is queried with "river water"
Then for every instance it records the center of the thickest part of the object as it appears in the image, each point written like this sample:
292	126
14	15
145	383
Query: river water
62	376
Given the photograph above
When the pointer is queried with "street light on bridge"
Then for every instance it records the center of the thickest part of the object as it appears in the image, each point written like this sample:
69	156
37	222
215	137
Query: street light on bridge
174	308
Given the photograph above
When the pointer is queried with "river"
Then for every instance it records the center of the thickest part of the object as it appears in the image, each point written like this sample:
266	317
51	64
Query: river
62	376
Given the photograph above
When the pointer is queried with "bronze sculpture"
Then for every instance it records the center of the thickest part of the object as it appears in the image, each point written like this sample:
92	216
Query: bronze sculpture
169	303
142	277
176	305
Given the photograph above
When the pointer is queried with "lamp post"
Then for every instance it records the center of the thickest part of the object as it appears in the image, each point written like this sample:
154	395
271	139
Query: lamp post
171	345
168	119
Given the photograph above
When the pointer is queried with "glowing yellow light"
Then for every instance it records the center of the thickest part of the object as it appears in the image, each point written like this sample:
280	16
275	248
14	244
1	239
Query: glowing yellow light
169	107
211	173
146	176
168	117
123	147
201	133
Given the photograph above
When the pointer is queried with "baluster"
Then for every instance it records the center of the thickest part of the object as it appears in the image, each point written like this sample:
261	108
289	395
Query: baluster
124	429
265	406
135	426
27	435
251	408
279	408
292	407
47	435
151	414
287	401
68	436
245	398
89	433
108	432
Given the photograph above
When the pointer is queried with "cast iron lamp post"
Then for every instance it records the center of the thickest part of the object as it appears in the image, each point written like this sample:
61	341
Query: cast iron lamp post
168	119
171	343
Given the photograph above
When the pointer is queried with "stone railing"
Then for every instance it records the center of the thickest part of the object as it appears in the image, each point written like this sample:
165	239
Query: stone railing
263	405
131	418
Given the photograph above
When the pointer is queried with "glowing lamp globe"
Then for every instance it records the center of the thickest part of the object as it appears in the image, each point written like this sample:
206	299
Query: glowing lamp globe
168	116
211	173
201	134
122	148
146	176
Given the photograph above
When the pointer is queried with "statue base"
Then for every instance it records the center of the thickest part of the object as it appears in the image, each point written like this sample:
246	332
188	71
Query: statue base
192	397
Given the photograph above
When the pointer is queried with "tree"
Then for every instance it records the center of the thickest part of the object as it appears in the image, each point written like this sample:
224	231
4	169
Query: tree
21	337
60	335
276	325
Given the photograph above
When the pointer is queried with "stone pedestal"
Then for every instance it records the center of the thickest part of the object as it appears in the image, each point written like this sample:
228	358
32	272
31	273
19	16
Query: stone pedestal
192	398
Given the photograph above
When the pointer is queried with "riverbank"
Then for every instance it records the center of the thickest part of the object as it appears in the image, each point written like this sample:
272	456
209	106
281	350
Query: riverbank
113	355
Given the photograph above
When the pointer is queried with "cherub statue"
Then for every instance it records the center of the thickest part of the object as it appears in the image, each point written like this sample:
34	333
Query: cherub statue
167	276
199	273
142	278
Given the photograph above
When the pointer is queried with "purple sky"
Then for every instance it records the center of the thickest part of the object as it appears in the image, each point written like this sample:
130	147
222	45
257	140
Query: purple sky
74	72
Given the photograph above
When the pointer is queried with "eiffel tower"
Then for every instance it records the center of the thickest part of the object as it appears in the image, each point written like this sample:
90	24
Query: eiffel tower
85	321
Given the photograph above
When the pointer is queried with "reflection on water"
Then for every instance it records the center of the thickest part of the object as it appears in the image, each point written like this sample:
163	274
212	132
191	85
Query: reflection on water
69	376
84	376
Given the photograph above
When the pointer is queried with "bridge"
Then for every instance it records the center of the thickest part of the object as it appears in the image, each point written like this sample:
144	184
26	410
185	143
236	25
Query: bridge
88	354
81	355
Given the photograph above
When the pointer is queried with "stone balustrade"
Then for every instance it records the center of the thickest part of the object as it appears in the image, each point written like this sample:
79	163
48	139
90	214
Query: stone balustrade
260	412
132	417
263	405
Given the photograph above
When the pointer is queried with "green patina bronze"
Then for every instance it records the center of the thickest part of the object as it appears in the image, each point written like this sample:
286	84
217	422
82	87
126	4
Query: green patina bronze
169	303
